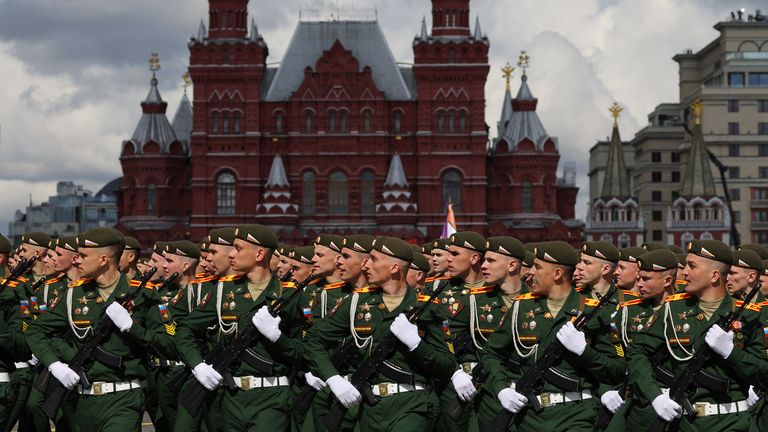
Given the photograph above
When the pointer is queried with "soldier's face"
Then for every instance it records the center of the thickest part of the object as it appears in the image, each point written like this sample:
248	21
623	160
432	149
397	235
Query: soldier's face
28	251
590	269
764	284
202	266
126	258
157	261
350	264
542	277
459	261
378	269
301	270
245	256
626	274
218	259
324	260
91	262
283	264
700	273
415	278
175	264
439	260
496	267
651	284
739	279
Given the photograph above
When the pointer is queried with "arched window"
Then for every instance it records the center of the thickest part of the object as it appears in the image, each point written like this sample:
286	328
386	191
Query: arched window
236	122
440	121
367	191
308	122
278	123
452	189
151	199
527	196
225	123
331	121
226	198
215	122
308	193
452	122
366	121
337	193
398	122
463	121
342	121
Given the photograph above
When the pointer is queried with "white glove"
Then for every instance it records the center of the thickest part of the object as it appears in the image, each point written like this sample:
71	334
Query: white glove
612	400
34	361
511	400
752	397
720	341
344	391
66	376
266	324
120	316
666	408
207	375
572	339
315	382
406	332
462	382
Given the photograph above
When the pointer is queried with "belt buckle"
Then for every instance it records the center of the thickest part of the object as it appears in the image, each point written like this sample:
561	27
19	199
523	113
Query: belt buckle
467	367
700	408
97	389
383	390
545	400
245	383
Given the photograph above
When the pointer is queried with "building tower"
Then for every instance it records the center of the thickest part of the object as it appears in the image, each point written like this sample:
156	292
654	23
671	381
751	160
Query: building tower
615	216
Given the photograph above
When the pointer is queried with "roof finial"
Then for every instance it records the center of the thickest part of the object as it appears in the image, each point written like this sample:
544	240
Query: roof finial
698	108
187	81
523	60
507	72
154	64
615	110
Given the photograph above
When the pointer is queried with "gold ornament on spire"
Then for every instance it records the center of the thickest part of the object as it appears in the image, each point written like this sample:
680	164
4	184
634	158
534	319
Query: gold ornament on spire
523	60
698	108
154	63
187	81
615	110
507	72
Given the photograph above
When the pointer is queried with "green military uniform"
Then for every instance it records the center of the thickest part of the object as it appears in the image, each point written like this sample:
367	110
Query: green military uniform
679	328
116	399
432	281
14	346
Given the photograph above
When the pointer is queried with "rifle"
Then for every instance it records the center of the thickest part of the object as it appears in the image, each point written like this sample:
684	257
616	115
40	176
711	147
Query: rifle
535	374
679	390
224	356
91	349
386	347
342	359
22	267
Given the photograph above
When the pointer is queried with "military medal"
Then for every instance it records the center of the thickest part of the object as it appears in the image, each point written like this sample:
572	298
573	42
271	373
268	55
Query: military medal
464	292
739	335
529	314
504	309
229	295
524	325
700	316
99	300
489	318
85	310
444	300
247	296
683	315
83	300
637	319
451	300
367	316
533	325
77	311
486	308
366	307
678	327
382	306
547	315
686	327
232	305
359	316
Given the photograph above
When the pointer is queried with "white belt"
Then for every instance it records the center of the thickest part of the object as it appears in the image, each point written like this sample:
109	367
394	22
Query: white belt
705	409
386	389
21	365
468	367
5	377
549	399
253	382
101	388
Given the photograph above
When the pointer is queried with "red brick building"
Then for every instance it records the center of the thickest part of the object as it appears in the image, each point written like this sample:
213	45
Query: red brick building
340	137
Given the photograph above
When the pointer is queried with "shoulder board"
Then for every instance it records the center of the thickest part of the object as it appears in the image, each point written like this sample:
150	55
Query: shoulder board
199	275
424	298
22	279
752	306
436	278
527	296
676	297
580	289
11	284
231	278
54	280
681	282
79	282
287	285
630	293
314	281
482	290
335	285
632	302
364	290
591	302
205	279
763	304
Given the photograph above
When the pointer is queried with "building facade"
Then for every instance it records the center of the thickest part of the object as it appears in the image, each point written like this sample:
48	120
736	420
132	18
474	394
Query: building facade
340	137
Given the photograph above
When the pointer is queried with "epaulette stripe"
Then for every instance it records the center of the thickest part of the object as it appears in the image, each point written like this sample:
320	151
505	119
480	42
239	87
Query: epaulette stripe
364	290
681	282
423	298
630	293
53	281
314	281
206	279
482	290
23	279
632	302
591	302
754	307
675	297
334	285
231	278
288	284
199	275
430	279
528	296
79	282
764	303
580	289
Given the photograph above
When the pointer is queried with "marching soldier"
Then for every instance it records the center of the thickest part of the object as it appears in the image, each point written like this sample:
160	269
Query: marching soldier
535	319
626	269
115	399
130	257
402	387
354	254
260	400
202	265
417	272
438	263
5	250
720	400
745	271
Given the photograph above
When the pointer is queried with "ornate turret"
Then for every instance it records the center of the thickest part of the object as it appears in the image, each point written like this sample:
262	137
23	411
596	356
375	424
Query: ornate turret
277	192
698	180
182	120
616	182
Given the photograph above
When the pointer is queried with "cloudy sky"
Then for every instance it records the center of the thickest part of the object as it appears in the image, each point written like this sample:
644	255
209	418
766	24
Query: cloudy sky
75	71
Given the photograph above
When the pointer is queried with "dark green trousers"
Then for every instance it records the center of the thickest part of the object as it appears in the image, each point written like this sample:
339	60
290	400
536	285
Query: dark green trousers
401	412
113	412
728	422
7	398
486	408
566	417
264	409
321	406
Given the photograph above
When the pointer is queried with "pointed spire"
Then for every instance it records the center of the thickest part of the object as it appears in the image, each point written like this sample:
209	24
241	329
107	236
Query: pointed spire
396	174
616	182
506	106
254	36
423	35
201	31
277	177
478	30
698	180
182	121
153	97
